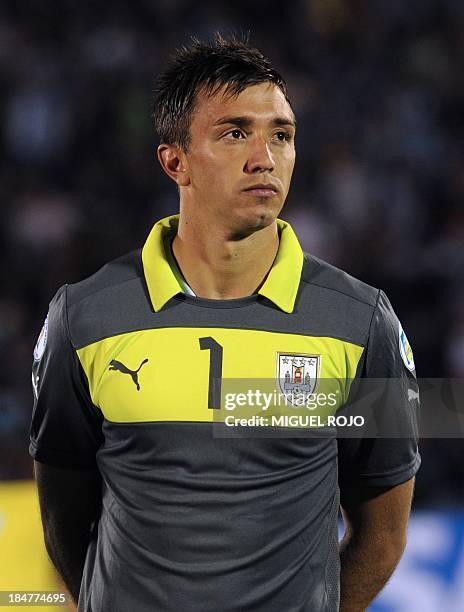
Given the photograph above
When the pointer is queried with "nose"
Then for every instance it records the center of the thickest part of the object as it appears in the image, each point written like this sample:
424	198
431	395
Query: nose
260	158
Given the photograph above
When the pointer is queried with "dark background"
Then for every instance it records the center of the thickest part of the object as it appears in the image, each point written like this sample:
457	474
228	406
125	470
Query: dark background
378	91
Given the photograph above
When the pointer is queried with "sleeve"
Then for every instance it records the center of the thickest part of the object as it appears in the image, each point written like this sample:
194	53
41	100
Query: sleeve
66	428
387	395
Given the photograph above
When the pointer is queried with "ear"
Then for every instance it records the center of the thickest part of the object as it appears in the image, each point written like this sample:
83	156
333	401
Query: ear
174	163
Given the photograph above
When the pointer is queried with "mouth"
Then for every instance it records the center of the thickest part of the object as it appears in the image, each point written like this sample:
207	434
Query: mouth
265	190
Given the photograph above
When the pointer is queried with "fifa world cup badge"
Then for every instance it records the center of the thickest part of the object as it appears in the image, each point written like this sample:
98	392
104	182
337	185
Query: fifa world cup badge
405	350
41	342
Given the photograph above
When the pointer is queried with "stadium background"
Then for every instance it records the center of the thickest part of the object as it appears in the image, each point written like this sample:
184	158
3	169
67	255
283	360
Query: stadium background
378	190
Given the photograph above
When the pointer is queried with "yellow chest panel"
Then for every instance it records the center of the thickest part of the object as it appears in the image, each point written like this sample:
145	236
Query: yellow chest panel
166	374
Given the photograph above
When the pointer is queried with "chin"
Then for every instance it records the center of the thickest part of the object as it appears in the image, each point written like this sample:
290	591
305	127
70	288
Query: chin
263	219
251	221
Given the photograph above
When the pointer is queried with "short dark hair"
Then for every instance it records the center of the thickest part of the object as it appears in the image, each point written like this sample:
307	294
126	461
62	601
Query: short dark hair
231	63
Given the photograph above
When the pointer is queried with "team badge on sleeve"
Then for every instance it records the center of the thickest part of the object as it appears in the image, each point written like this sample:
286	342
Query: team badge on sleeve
41	342
405	350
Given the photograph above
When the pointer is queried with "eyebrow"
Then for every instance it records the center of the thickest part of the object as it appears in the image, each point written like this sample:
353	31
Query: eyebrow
244	122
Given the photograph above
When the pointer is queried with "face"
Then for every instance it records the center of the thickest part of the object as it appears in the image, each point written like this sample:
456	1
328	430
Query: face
240	159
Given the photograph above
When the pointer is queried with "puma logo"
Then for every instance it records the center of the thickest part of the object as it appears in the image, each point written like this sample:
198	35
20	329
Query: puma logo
134	374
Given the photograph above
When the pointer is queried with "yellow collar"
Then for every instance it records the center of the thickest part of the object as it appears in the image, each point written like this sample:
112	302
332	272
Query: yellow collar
280	286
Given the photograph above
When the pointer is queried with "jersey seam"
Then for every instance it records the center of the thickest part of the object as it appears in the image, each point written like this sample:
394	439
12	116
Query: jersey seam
368	337
353	297
190	300
266	331
392	472
49	449
36	446
74	348
68	331
326	432
335	504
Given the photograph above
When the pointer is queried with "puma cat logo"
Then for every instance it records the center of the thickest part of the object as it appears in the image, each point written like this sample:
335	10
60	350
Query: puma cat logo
134	374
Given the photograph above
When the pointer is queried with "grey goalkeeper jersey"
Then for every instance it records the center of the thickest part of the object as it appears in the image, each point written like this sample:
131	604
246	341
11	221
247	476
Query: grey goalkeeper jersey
197	515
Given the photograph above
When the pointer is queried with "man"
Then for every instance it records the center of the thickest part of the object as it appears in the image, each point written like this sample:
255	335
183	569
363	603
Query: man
144	507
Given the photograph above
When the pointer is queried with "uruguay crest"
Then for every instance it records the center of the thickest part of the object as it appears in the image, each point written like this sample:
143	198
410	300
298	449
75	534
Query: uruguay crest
297	375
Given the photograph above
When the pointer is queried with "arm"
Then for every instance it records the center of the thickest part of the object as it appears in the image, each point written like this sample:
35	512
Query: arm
69	504
376	520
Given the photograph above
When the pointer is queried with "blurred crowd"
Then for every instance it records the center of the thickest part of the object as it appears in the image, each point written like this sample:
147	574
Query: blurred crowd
378	190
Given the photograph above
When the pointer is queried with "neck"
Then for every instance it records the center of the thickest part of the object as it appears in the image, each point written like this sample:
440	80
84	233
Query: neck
219	266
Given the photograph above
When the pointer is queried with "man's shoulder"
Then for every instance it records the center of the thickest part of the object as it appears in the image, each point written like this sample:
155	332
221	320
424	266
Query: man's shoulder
104	300
334	281
125	270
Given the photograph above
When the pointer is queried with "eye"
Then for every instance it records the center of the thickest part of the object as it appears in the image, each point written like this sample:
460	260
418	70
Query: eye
235	134
282	136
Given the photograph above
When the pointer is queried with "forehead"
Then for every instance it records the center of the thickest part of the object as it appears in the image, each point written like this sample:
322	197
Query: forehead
261	103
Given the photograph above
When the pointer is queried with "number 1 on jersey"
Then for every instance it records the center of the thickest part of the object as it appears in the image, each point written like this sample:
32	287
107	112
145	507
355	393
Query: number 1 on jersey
215	371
